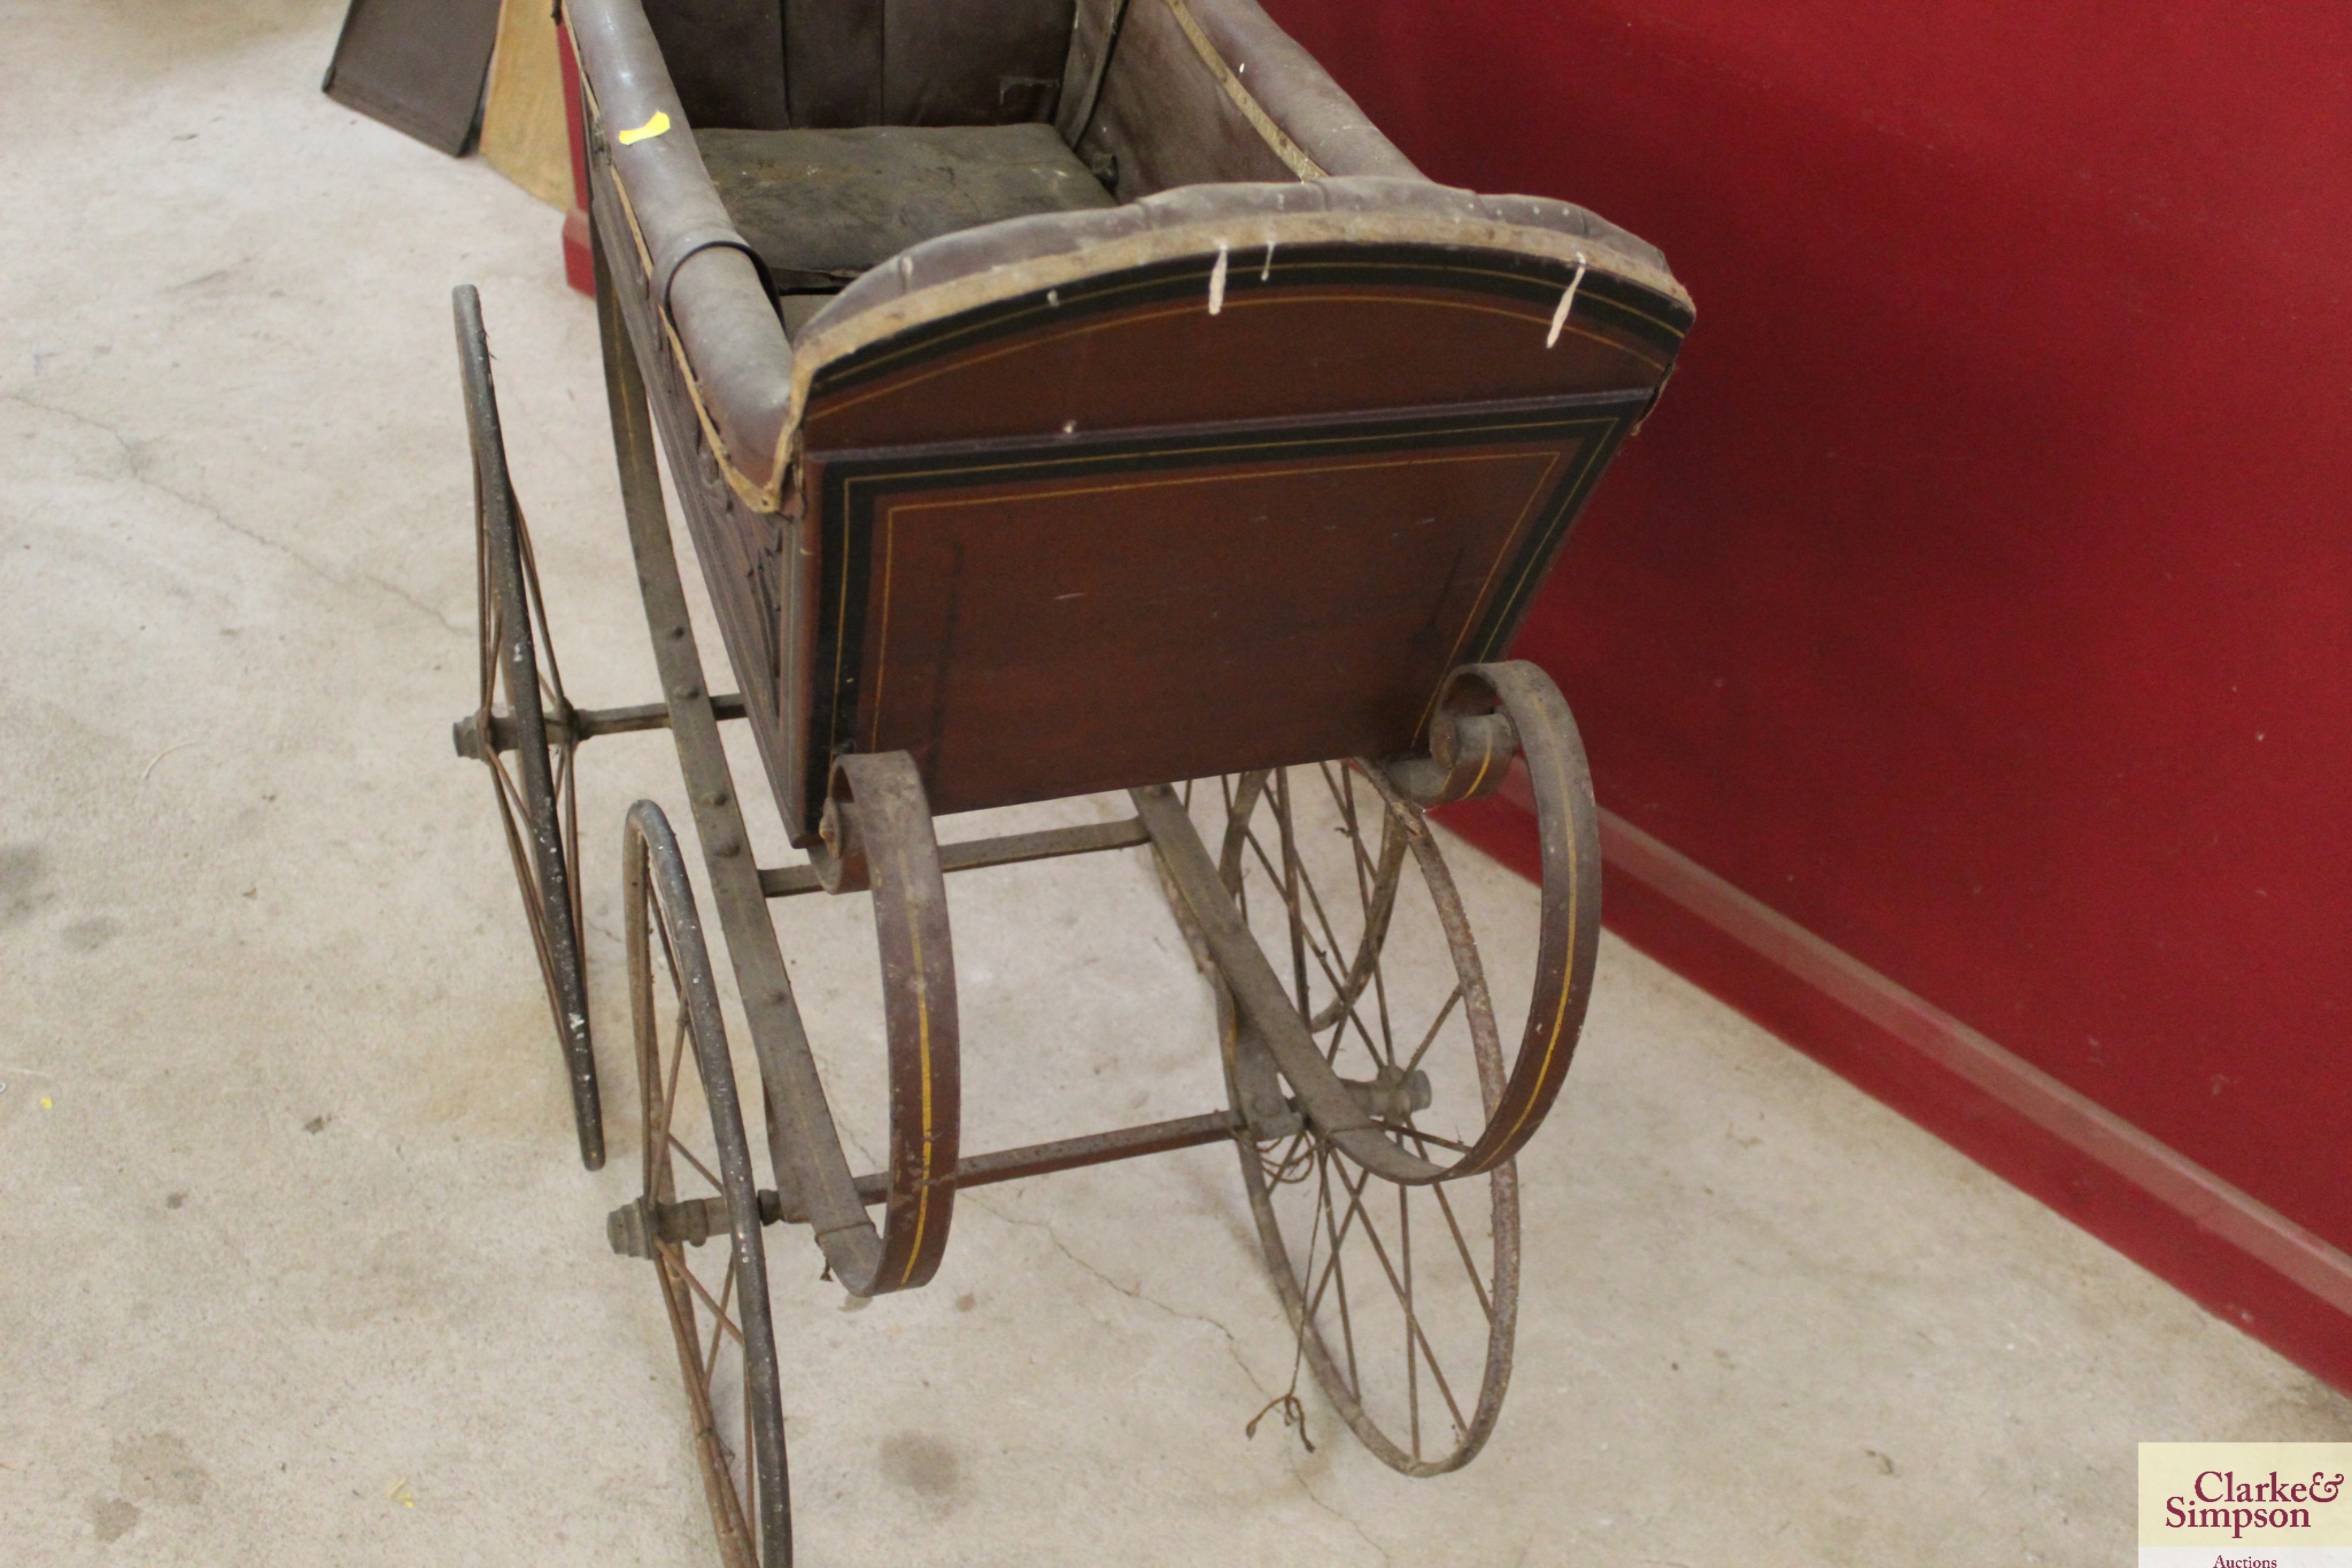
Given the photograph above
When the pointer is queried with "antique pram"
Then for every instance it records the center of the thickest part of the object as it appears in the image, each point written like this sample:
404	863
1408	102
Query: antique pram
1067	399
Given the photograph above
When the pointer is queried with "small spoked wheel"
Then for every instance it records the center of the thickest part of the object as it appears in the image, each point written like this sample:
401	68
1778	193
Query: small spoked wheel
1405	1297
699	1215
522	729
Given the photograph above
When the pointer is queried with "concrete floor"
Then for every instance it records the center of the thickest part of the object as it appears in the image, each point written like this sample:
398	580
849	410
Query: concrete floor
302	1267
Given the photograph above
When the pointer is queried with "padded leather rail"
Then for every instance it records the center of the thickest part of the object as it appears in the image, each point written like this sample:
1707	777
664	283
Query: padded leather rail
703	278
1197	217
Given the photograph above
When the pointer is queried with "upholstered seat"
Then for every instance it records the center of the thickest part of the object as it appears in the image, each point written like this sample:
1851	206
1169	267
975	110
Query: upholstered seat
823	206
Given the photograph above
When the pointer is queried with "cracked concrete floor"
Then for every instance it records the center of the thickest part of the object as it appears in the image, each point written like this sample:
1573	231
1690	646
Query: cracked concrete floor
301	1266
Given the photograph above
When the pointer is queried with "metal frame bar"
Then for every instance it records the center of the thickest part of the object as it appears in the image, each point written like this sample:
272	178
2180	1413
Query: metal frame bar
973	854
1070	1153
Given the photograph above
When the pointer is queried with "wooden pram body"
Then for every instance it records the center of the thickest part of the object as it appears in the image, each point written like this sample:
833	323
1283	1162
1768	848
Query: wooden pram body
1076	397
1066	398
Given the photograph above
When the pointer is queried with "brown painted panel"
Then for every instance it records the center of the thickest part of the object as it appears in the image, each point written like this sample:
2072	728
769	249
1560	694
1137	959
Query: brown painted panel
1038	620
416	65
1270	350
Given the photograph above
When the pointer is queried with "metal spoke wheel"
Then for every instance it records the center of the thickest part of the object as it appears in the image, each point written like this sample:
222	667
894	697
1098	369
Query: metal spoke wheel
523	712
698	1218
1405	1297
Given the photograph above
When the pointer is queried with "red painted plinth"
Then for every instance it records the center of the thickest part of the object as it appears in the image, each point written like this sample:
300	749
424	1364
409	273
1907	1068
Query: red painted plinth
579	263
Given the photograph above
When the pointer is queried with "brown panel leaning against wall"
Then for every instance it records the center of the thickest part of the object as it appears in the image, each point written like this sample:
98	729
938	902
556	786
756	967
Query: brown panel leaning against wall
415	65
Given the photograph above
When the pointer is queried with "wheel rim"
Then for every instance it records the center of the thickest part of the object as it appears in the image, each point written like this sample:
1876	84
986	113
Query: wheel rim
1404	1299
697	1171
522	711
529	808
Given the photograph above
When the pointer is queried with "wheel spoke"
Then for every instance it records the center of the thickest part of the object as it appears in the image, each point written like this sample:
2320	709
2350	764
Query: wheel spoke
1338	1228
1347	990
1411	1342
550	680
512	812
1322	958
1403	1296
1377	897
1430	1039
1425	1139
1287	832
1334	1270
680	1147
726	1294
1462	1244
1331	945
699	1289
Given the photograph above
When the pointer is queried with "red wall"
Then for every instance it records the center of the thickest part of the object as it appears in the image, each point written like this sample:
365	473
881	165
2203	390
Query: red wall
1980	598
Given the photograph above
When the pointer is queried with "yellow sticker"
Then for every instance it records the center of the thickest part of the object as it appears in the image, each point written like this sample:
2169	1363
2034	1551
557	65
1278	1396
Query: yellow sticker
647	132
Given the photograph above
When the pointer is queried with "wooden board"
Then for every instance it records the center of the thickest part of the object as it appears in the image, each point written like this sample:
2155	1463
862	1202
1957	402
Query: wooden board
523	134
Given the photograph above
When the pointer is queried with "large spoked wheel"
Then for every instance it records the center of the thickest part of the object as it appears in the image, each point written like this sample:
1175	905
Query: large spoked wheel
1405	1297
699	1216
523	730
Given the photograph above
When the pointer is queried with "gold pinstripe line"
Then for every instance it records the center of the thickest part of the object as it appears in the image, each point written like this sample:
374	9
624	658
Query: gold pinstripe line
882	642
1592	455
840	624
1486	761
1502	556
923	1066
1567	985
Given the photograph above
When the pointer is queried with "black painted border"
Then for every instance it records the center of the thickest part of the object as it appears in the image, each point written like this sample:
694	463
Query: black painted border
1537	281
